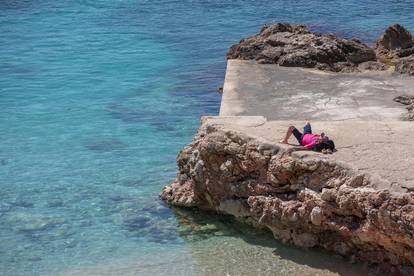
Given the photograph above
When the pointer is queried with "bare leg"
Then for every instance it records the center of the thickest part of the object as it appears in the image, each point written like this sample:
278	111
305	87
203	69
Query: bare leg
288	134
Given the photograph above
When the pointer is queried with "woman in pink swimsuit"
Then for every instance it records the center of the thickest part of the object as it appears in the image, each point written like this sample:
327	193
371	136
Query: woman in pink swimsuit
309	140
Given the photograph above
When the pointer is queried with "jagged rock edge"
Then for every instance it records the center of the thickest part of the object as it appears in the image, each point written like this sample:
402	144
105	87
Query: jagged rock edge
307	201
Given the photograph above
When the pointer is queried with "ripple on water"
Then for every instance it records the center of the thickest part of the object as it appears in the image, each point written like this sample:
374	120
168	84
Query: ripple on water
81	82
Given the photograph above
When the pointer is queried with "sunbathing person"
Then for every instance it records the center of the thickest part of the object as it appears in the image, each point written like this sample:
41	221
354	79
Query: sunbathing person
310	141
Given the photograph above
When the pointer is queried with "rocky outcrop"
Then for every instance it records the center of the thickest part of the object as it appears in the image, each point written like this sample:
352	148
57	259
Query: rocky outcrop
295	45
405	65
395	43
373	66
409	102
396	47
307	200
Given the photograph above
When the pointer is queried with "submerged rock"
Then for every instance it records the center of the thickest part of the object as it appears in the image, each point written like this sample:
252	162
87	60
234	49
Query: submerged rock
295	45
152	222
28	223
55	202
106	145
312	202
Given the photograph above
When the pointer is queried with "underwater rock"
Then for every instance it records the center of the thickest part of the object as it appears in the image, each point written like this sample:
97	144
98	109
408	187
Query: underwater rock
28	223
55	202
22	202
136	222
153	222
116	198
107	145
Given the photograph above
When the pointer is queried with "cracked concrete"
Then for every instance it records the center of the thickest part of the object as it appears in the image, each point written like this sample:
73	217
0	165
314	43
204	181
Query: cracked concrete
356	110
344	203
357	202
281	93
378	148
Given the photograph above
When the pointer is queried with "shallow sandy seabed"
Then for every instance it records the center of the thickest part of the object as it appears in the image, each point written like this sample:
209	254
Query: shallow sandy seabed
227	256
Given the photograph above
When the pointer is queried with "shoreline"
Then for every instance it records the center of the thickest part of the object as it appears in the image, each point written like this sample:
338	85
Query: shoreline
349	202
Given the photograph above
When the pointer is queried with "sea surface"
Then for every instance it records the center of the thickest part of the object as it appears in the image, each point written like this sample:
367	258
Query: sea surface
97	98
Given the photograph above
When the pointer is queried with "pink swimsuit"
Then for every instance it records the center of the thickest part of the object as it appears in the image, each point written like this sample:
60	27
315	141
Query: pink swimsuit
309	140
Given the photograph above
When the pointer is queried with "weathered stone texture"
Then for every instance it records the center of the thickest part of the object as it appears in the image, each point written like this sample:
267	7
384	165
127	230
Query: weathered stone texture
394	43
409	102
405	65
306	201
294	45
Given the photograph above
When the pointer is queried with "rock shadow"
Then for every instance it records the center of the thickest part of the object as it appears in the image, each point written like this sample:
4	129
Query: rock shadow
195	224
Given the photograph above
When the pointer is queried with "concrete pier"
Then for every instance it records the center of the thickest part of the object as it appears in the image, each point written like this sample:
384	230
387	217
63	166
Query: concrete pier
282	93
357	111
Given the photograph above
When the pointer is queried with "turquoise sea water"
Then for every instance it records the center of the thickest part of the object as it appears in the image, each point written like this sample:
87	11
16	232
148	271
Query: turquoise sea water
97	98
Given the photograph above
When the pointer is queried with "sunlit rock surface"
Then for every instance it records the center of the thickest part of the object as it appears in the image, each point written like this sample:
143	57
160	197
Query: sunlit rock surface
304	198
292	45
296	46
357	202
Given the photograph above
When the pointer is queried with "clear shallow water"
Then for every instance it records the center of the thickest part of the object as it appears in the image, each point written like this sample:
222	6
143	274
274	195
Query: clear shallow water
97	98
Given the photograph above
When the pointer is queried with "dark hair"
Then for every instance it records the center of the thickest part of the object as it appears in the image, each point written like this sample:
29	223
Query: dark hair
325	145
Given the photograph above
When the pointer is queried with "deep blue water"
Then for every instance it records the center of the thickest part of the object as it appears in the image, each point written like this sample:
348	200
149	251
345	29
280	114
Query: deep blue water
97	98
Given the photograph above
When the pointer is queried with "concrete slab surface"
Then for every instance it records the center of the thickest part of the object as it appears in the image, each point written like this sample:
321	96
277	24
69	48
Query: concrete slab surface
356	110
383	149
281	93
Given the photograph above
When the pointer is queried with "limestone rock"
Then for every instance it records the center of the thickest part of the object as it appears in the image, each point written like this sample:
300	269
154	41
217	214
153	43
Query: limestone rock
373	66
316	216
306	202
295	45
409	101
396	42
405	65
